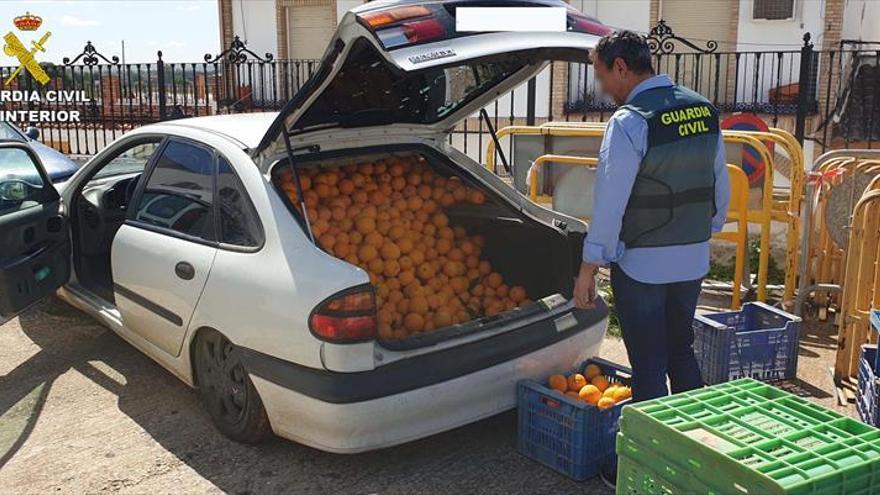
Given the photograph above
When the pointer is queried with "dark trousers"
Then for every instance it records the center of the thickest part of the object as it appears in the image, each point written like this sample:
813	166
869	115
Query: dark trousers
656	323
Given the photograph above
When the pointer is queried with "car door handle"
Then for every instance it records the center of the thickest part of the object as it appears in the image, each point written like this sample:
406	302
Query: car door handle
185	270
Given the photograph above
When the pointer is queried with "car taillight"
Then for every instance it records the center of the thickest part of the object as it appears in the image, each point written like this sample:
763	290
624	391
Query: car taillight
400	26
349	316
581	23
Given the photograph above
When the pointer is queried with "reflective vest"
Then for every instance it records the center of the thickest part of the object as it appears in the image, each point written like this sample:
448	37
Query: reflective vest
673	197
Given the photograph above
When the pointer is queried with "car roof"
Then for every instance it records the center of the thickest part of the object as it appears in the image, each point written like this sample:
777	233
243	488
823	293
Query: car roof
245	128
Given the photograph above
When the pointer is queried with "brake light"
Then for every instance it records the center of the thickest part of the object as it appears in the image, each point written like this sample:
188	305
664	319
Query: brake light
349	316
400	26
581	23
390	16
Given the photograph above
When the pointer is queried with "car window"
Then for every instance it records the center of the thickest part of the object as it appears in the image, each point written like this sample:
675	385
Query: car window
9	132
131	160
178	193
239	224
370	91
21	185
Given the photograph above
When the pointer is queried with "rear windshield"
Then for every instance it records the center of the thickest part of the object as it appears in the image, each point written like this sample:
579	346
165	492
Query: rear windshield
368	91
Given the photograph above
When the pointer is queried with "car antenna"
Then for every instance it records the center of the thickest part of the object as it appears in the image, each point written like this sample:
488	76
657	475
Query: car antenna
485	116
296	181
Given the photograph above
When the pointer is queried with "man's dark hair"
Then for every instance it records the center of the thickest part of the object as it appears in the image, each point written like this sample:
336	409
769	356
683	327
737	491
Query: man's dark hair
631	47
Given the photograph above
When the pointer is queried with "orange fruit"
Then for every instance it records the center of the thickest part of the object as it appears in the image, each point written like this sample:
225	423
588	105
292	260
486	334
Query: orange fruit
374	239
589	394
576	382
485	268
600	382
605	402
406	277
592	371
610	391
494	280
406	245
518	294
476	197
573	395
392	268
341	249
425	271
440	220
390	251
365	225
622	393
366	253
442	319
376	265
558	382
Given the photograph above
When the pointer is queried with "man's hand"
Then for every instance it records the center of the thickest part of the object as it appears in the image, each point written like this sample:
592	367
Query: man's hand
585	287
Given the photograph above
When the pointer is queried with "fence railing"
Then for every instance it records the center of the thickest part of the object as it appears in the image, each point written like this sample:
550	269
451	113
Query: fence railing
112	97
830	96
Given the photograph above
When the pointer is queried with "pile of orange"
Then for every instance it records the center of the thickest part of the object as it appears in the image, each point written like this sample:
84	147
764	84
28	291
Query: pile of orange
387	217
592	387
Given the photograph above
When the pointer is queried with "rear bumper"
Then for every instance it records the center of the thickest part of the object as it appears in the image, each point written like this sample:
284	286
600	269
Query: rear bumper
402	409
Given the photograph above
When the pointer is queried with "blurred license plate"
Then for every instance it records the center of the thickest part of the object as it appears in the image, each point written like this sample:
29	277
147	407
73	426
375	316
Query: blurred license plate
483	19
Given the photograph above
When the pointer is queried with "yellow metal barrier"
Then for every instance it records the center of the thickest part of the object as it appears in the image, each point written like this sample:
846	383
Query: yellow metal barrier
738	211
763	216
786	210
541	160
860	286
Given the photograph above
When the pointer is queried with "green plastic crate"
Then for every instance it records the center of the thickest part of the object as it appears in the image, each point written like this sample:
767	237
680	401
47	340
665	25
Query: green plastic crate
744	437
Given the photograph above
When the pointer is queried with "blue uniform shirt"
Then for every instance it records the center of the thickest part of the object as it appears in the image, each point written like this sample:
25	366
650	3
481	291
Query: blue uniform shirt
623	147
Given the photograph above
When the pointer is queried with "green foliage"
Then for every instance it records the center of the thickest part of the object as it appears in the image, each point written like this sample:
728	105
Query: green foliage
613	321
725	272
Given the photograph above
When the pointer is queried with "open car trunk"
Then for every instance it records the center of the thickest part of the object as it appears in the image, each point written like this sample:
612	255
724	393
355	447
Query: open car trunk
446	255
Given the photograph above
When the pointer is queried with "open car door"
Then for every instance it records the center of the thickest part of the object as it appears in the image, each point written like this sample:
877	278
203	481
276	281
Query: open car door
34	238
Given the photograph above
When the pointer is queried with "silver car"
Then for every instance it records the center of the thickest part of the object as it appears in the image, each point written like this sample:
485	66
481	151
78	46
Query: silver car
190	240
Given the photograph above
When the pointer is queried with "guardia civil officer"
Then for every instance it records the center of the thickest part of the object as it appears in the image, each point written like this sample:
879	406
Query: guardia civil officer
661	190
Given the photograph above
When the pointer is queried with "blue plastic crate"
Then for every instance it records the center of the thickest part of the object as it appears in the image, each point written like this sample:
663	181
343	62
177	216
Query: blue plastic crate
572	437
875	324
868	397
759	342
875	319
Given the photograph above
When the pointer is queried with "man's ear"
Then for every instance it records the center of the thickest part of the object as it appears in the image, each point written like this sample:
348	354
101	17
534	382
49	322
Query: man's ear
620	67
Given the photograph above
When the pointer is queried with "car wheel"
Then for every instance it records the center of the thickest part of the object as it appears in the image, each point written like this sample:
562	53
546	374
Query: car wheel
227	391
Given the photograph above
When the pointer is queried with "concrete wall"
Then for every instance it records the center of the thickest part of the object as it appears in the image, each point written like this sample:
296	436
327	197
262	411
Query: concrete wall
861	20
631	14
343	6
254	22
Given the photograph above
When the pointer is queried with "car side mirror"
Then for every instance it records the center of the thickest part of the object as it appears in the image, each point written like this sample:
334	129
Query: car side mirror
15	190
32	133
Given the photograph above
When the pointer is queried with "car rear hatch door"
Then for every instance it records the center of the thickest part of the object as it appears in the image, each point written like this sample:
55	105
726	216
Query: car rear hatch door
405	65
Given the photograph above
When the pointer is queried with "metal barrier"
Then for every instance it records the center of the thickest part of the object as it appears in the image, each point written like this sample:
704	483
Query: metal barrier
763	216
860	287
541	160
820	269
738	211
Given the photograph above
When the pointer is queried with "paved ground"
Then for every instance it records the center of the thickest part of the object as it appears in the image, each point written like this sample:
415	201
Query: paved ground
82	411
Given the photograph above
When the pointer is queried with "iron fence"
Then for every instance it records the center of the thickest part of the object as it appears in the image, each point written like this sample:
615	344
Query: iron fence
765	82
830	96
111	98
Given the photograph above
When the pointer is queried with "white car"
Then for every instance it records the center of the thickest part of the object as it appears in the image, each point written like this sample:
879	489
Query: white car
179	238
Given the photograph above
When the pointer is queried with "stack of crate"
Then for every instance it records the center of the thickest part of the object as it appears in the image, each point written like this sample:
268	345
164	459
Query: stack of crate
868	399
744	437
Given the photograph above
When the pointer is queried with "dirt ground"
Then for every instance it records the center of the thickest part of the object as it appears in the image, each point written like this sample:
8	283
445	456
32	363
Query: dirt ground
82	411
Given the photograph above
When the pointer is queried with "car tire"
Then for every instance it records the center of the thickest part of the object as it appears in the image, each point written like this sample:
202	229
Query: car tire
226	389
